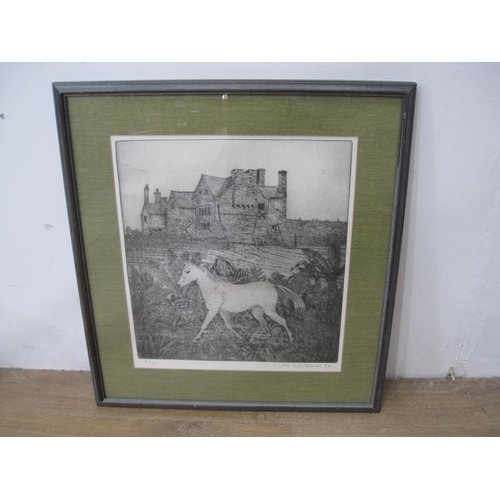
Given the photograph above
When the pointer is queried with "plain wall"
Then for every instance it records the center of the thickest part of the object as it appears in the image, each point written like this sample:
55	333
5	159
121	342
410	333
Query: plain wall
447	316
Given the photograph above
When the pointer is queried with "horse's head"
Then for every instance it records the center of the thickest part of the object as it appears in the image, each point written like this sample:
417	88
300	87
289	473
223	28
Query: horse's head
189	274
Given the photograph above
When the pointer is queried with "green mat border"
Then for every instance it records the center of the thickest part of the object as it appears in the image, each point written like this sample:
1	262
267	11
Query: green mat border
379	113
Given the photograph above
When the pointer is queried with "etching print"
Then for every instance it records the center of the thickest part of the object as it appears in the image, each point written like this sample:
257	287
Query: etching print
235	249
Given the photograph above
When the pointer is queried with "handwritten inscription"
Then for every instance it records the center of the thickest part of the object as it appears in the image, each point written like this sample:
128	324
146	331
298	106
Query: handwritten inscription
305	366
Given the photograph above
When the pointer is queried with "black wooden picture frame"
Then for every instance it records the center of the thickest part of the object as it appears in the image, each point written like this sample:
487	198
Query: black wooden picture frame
104	127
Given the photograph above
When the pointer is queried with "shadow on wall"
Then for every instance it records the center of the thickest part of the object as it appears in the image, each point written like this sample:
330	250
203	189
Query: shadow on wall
409	354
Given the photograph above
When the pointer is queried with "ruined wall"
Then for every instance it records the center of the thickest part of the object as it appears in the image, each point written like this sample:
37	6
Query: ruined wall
311	233
245	187
236	222
276	210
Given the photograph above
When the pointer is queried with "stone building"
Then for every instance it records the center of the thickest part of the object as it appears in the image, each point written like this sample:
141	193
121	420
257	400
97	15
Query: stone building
154	215
238	209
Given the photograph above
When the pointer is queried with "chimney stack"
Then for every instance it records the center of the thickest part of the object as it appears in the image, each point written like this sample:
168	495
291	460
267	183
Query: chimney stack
282	182
157	196
236	172
146	194
261	177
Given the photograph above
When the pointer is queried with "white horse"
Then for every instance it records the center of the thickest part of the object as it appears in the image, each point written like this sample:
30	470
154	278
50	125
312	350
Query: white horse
221	297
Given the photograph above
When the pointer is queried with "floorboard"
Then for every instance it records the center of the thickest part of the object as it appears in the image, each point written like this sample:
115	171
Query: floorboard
61	403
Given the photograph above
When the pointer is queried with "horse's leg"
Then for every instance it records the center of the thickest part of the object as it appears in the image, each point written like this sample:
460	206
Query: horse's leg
271	312
209	317
227	321
258	314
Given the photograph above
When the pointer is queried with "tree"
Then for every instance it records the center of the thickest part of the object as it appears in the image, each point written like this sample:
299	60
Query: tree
324	293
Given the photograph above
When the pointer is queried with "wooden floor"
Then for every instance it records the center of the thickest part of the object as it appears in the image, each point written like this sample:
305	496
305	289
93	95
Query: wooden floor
52	403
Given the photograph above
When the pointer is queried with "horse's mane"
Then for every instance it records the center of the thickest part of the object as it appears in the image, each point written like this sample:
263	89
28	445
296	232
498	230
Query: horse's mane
212	275
209	273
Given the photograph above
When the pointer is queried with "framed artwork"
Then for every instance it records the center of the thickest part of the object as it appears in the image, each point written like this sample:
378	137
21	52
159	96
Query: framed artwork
237	242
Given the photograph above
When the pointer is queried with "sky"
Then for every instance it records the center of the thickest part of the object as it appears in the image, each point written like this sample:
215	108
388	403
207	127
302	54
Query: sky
318	180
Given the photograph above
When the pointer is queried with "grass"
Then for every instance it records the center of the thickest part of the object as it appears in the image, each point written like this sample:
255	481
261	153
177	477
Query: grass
167	318
314	341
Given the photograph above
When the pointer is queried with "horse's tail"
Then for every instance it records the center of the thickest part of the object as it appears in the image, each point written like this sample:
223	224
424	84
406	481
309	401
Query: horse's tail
298	304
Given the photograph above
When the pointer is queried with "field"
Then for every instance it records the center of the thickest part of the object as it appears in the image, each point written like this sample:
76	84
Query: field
168	317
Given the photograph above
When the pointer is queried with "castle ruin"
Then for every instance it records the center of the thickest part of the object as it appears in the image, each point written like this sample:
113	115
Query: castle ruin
239	209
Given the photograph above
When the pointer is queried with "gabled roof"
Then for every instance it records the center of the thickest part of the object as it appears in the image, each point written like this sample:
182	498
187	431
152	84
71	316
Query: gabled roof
227	184
217	185
156	208
271	192
182	198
